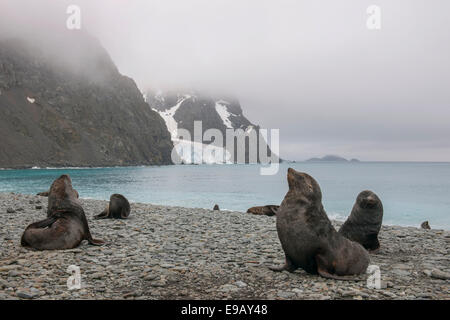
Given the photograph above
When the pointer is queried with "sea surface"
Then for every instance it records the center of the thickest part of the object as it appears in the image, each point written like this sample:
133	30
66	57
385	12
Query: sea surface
411	192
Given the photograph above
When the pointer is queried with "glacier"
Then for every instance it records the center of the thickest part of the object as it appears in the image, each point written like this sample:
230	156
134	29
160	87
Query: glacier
191	152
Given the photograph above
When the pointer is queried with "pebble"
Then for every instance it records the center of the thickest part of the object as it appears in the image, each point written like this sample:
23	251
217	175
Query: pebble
25	294
228	288
158	283
438	274
169	252
286	294
240	284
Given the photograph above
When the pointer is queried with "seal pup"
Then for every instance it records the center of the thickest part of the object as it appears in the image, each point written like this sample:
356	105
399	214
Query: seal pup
66	224
118	208
269	210
425	225
364	222
308	238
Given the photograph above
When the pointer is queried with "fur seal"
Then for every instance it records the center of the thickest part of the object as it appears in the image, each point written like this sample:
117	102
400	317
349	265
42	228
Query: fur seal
118	208
216	207
66	224
425	225
364	222
308	238
269	210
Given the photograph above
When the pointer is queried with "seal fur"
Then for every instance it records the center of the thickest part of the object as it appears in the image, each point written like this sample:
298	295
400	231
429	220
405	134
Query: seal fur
117	208
308	238
66	224
364	222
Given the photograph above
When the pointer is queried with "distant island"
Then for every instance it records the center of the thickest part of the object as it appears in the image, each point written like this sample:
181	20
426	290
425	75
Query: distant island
331	158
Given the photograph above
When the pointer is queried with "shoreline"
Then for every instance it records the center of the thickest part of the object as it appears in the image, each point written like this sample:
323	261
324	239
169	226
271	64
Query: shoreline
30	167
331	215
164	252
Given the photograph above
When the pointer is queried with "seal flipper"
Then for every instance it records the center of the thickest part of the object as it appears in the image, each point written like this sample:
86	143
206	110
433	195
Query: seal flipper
43	223
124	213
323	272
25	239
288	266
96	242
274	209
102	215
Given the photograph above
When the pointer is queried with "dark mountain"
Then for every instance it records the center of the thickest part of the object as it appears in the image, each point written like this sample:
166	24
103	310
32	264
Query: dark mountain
180	110
67	105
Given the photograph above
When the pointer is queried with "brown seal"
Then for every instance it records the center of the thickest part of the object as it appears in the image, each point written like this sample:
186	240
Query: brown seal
364	222
216	207
268	210
307	237
66	224
425	225
118	208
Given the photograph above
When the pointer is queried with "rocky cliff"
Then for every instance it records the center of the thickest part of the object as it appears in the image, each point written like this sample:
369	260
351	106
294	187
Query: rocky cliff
71	107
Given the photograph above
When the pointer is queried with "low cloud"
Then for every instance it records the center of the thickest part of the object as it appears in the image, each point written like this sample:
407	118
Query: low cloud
310	68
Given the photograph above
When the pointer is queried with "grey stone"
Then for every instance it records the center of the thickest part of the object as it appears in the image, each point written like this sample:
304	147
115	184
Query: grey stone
25	294
438	274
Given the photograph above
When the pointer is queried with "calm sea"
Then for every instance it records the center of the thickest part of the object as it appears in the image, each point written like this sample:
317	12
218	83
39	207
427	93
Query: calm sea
411	192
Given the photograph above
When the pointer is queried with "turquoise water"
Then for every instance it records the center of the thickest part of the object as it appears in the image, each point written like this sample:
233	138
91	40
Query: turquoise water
411	192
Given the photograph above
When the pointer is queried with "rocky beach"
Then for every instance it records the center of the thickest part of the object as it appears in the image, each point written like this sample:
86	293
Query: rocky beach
183	253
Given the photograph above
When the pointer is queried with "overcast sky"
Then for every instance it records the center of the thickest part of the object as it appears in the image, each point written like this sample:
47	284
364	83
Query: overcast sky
309	68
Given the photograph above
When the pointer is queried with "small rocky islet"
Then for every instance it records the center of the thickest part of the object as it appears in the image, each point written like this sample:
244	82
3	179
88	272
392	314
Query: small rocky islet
162	252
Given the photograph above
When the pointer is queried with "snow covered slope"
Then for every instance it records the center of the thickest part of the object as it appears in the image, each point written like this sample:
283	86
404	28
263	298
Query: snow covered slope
181	110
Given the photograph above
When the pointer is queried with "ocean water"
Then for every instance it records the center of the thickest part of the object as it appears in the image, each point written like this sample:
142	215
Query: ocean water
411	192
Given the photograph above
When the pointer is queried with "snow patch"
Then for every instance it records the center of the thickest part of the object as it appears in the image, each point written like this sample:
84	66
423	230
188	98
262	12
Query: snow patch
168	116
222	110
